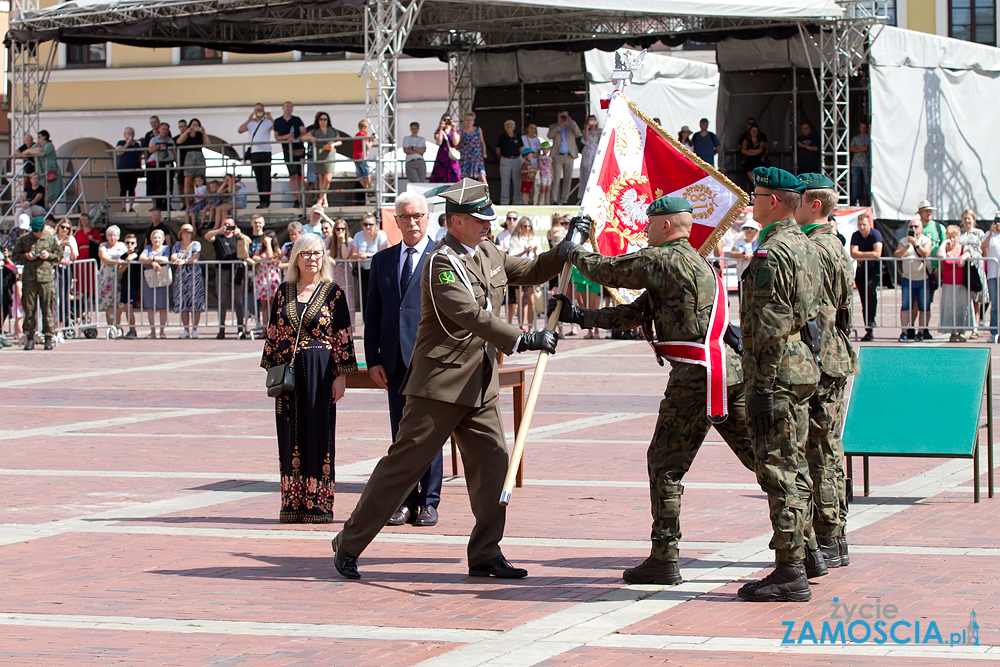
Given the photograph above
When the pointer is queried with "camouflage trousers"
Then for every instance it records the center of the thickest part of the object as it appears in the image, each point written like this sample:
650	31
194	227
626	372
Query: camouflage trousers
783	473
681	427
37	295
825	456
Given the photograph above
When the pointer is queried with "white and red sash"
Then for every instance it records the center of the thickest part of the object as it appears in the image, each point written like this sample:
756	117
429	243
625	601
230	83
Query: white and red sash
711	354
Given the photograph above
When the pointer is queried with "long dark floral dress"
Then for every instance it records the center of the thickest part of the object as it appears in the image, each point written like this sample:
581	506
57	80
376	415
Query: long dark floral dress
306	419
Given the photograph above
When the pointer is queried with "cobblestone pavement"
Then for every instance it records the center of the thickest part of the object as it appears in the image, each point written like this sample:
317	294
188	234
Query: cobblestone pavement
138	526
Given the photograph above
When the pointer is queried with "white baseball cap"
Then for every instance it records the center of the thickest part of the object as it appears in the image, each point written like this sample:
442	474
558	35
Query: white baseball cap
751	224
23	221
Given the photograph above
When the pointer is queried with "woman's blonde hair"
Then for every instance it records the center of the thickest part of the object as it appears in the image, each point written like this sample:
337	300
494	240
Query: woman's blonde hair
525	220
952	230
308	242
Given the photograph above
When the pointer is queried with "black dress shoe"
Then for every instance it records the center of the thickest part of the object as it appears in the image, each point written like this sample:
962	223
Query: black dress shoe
497	567
345	563
428	516
400	516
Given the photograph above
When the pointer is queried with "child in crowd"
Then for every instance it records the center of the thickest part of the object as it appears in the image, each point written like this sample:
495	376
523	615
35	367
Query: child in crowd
208	214
529	169
544	174
200	202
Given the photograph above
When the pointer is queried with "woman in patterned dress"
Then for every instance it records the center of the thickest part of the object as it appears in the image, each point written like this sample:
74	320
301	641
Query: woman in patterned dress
266	275
110	254
591	138
340	246
189	283
306	418
446	169
472	149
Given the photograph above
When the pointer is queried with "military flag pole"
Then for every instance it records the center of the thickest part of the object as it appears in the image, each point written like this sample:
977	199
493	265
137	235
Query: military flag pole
622	76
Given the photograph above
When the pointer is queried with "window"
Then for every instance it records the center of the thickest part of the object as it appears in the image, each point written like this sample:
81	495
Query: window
887	9
199	54
86	55
973	21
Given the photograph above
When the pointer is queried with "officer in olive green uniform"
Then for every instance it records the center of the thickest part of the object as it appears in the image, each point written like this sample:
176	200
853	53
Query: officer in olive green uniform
680	290
777	313
38	250
451	384
825	449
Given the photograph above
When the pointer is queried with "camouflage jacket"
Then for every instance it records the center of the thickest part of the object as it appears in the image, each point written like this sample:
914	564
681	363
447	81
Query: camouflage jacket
839	358
680	288
37	270
781	286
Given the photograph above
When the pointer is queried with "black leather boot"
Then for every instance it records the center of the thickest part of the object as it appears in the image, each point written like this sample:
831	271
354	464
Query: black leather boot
654	571
815	564
830	547
787	583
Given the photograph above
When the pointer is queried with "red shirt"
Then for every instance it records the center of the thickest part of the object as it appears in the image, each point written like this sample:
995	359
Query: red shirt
83	241
359	146
952	273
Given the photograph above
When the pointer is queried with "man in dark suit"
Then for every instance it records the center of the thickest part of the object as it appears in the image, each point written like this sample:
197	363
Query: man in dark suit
452	385
391	315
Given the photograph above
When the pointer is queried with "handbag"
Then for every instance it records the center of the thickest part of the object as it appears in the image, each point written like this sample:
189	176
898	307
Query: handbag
51	175
161	277
453	152
539	300
972	279
281	377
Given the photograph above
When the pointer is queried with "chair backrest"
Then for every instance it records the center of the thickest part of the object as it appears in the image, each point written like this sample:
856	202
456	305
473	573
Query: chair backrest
916	401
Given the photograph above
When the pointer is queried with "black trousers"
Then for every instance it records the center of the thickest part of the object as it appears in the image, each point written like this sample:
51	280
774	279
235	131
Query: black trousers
156	187
867	281
261	165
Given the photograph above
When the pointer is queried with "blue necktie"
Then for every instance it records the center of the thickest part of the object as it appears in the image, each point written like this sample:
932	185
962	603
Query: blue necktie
404	274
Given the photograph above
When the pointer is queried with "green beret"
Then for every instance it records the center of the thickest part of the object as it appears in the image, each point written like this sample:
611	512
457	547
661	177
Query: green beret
668	205
817	182
37	223
777	179
471	197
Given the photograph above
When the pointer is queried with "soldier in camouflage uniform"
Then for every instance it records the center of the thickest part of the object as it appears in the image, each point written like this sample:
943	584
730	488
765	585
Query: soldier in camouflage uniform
38	250
680	288
780	302
825	449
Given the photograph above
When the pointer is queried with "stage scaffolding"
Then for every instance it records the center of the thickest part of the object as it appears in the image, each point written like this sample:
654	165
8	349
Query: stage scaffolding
383	30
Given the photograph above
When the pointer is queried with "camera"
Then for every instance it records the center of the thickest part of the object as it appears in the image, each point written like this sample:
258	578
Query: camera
911	233
230	227
996	218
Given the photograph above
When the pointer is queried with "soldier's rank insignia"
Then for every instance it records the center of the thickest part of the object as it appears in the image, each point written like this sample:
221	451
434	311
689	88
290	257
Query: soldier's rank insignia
446	277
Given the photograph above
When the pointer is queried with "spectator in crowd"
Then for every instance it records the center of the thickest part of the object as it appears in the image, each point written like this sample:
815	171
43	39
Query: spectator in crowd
861	166
750	122
525	245
259	125
10	292
508	150
807	149
32	202
507	226
313	225
63	273
156	258
191	158
189	283
935	232
563	135
326	229
266	276
956	311
446	166
112	254
197	211
704	143
866	249
130	286
156	223
745	246
473	149
226	238
684	136
29	162
442	228
392	311
288	129
159	157
362	144
311	308
294	230
367	242
755	150
591	140
232	191
47	164
21	225
88	241
529	171
914	298
154	129
178	173
530	138
341	247
545	174
128	166
324	140
38	252
972	240
311	177
991	250
414	147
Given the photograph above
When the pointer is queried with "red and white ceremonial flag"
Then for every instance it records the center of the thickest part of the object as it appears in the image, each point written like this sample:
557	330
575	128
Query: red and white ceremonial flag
637	162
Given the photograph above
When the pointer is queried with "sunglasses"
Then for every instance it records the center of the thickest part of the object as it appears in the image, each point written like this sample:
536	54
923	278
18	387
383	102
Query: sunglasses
340	229
368	224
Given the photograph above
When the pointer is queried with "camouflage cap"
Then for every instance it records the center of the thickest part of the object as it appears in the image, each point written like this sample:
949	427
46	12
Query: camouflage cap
668	205
817	182
470	197
777	179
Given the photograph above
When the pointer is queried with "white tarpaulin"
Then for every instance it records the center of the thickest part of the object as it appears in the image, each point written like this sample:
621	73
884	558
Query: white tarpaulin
933	102
677	91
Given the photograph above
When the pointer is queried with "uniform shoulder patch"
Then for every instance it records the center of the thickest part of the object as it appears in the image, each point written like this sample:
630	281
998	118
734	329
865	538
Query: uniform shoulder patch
446	277
763	276
762	252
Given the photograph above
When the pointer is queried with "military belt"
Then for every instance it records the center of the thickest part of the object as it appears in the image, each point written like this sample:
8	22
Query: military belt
748	342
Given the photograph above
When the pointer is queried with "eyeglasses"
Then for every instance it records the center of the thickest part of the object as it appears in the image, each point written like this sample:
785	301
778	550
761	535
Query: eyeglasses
324	118
311	254
761	194
408	218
